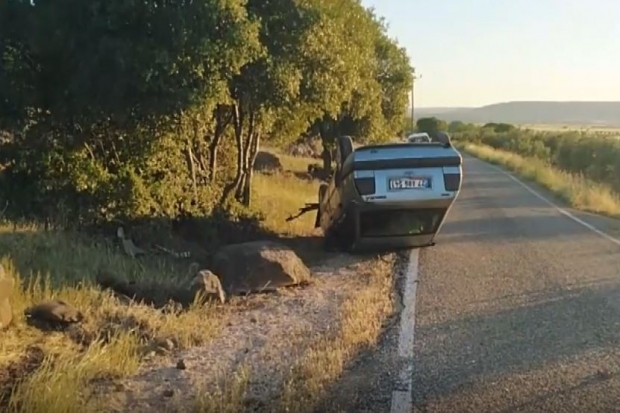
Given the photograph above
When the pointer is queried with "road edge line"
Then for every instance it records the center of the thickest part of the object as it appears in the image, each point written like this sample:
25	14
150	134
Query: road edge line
402	398
558	208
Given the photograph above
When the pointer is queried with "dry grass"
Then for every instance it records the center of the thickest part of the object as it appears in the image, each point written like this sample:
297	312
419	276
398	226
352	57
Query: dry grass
360	324
558	127
282	194
117	337
579	192
114	336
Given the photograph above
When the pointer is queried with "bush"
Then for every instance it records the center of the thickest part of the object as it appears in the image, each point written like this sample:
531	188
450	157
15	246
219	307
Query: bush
594	156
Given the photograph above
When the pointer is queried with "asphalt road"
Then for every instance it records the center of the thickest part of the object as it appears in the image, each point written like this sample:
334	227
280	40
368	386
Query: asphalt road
517	307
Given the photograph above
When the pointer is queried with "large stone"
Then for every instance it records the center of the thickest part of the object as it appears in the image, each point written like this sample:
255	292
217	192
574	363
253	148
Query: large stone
208	285
258	266
6	294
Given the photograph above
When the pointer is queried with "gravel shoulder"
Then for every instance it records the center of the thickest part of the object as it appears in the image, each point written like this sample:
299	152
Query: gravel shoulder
263	338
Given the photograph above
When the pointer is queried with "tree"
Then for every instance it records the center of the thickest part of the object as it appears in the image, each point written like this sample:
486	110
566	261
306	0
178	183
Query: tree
394	75
135	109
431	126
499	127
369	74
107	81
456	126
268	86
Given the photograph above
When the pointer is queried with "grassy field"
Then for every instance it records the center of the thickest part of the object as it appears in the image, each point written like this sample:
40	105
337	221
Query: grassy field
60	371
571	127
580	193
280	195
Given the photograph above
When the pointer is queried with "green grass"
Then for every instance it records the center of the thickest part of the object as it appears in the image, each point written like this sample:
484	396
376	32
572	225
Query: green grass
578	192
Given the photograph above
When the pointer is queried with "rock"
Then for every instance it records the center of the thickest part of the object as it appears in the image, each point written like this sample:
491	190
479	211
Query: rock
6	294
208	284
258	266
53	314
165	345
267	162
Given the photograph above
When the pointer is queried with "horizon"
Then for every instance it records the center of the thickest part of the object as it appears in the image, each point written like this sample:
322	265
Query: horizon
486	52
515	101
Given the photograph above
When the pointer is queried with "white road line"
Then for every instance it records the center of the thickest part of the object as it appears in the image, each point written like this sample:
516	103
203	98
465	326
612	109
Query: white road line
402	398
561	210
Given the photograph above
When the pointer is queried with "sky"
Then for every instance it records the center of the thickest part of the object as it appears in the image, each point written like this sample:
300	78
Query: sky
478	52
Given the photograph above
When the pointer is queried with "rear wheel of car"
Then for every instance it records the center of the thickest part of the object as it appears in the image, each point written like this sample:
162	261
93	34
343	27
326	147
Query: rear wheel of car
330	242
340	238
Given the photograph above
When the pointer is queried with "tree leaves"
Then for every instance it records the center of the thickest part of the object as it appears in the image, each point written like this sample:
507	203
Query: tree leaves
135	94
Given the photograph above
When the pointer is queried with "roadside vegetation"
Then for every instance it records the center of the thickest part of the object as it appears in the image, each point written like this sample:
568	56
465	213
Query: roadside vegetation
151	116
582	168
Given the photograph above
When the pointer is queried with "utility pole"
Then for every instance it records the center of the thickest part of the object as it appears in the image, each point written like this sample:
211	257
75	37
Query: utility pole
415	77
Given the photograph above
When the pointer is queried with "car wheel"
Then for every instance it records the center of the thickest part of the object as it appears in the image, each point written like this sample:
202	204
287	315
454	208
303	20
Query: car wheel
330	242
346	233
444	138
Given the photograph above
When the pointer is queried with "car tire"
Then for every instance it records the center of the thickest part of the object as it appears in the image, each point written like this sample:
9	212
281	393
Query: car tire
330	242
444	138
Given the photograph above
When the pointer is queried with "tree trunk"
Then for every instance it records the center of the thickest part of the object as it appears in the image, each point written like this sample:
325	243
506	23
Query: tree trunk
221	122
247	184
213	149
327	153
237	118
192	167
239	189
327	161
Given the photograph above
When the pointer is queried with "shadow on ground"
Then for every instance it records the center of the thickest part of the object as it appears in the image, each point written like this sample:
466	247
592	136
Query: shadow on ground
494	228
72	257
452	357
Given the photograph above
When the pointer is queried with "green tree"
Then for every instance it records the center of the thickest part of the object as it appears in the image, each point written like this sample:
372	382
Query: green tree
370	74
499	127
109	83
117	108
431	125
457	126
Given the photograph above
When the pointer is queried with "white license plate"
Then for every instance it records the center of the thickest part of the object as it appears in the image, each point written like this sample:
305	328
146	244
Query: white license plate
409	183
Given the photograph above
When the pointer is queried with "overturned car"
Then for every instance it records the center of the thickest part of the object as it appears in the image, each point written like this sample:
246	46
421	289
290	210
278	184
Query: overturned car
389	196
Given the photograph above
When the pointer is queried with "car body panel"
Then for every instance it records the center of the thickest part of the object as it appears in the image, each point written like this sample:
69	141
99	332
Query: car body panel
359	196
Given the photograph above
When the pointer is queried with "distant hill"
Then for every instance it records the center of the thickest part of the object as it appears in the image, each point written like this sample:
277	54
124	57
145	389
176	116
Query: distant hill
577	113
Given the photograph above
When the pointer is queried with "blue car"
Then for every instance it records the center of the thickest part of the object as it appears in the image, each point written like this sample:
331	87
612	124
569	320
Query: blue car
391	196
